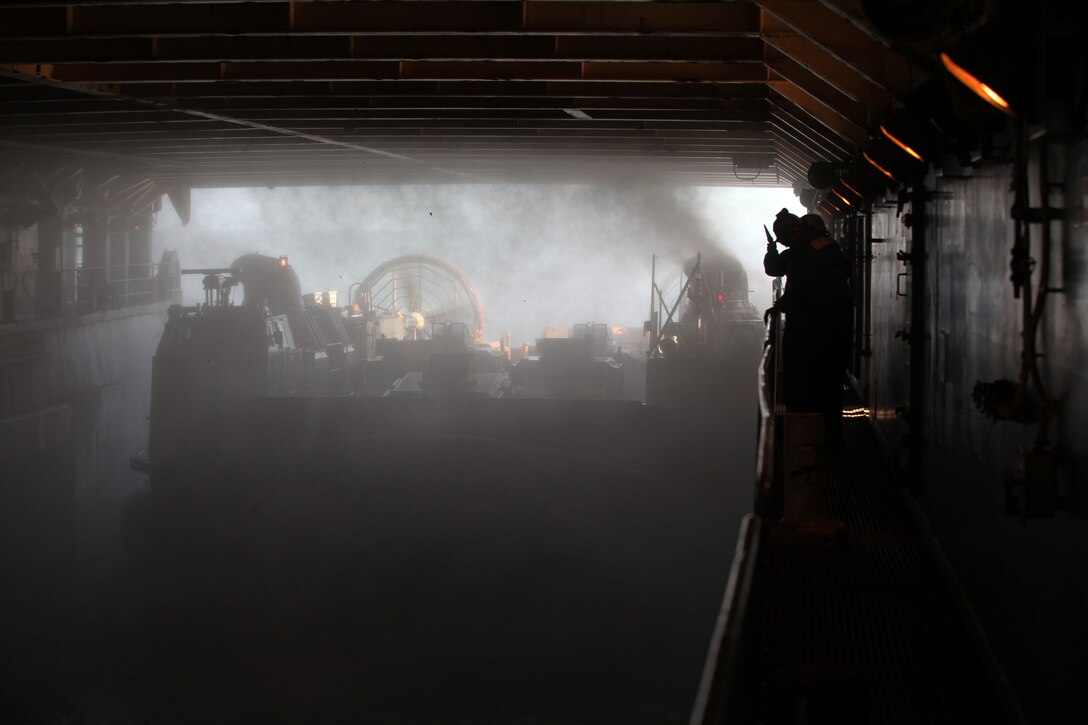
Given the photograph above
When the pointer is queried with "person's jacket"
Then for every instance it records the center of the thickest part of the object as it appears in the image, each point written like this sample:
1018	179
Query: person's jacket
817	277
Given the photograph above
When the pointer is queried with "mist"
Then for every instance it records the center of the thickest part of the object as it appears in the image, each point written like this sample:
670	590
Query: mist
539	254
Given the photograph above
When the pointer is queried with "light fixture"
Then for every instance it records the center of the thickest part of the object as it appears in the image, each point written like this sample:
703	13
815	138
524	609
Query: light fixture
865	155
844	199
851	189
976	86
752	161
888	156
863	179
997	71
902	145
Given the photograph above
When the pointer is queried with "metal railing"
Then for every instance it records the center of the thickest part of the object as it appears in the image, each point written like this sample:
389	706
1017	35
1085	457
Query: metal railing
49	293
726	689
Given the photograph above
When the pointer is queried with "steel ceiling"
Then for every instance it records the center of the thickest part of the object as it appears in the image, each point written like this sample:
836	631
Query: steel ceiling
220	93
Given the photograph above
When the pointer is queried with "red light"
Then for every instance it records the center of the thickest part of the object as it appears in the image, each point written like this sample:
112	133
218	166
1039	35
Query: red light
721	297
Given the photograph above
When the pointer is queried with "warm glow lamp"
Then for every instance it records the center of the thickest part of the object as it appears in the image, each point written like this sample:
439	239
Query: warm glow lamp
850	188
976	86
900	143
876	165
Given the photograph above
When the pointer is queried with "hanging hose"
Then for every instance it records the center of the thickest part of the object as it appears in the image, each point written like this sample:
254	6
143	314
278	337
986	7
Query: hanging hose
1031	358
1033	312
1021	264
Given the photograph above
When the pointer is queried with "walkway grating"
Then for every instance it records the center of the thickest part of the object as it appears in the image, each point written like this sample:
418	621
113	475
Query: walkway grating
860	627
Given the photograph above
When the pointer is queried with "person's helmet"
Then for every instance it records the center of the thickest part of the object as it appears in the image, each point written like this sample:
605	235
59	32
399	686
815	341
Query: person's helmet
786	226
812	225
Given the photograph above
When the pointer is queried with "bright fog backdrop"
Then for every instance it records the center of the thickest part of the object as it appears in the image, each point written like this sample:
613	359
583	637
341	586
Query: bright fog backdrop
539	255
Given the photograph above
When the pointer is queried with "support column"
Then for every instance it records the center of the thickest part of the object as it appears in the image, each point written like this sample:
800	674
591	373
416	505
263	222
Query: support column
96	259
117	270
8	277
141	282
49	293
919	335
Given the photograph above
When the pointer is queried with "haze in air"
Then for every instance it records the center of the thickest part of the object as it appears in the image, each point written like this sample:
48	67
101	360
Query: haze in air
539	255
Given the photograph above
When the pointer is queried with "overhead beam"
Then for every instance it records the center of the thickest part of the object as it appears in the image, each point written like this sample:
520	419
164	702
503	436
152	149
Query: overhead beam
71	108
809	133
854	12
276	91
105	73
106	121
847	43
841	76
834	101
790	167
45	150
506	47
466	88
788	131
851	135
322	18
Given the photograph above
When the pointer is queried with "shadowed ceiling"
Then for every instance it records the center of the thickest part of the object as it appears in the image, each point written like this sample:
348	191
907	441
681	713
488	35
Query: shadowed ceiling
137	97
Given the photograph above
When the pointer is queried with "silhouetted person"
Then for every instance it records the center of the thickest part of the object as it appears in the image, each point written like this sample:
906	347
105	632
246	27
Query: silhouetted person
816	302
787	228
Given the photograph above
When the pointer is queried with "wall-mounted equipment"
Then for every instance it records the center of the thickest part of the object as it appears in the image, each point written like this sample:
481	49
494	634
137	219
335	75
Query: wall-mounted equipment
825	174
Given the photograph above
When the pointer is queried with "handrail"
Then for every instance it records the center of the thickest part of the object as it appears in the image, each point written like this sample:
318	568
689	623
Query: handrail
77	291
725	687
768	408
717	701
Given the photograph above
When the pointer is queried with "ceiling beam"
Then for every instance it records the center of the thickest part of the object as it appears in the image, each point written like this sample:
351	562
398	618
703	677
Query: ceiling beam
329	17
106	73
303	92
790	120
466	88
87	107
834	102
107	121
786	132
507	47
851	135
847	43
842	76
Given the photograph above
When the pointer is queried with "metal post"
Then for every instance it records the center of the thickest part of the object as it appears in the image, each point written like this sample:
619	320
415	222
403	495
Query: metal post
48	295
916	412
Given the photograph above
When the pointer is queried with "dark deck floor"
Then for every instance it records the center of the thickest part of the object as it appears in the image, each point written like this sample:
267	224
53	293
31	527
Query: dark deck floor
860	626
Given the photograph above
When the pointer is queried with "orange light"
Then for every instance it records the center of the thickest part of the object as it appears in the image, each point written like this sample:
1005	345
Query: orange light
831	204
283	262
900	144
977	87
878	167
848	202
856	192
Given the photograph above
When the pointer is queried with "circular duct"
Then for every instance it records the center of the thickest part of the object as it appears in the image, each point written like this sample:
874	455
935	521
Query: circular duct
423	290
